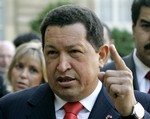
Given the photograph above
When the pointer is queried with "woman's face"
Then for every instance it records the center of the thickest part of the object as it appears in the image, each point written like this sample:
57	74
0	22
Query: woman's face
26	73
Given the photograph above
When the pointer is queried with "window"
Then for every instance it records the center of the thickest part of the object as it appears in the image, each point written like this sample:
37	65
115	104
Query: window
106	10
115	13
125	10
119	10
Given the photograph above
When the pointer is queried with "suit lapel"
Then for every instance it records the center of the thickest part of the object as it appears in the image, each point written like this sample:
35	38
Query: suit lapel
130	63
41	105
103	107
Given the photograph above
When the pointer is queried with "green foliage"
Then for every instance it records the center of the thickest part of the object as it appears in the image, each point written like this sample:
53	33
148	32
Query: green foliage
35	24
123	41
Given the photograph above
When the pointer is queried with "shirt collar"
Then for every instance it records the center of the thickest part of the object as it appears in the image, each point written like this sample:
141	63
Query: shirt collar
59	103
141	68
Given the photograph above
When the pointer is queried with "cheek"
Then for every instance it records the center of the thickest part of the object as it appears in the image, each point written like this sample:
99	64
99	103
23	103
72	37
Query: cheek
14	74
138	42
141	34
86	71
92	70
35	79
51	68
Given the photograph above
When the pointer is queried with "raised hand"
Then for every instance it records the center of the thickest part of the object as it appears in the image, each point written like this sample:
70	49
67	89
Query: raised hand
119	84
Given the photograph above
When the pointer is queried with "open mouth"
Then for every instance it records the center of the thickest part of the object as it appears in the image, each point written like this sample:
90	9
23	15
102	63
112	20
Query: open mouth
66	81
22	85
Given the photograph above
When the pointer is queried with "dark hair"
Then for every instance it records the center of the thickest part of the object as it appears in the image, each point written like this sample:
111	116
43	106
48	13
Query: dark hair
136	7
69	14
26	37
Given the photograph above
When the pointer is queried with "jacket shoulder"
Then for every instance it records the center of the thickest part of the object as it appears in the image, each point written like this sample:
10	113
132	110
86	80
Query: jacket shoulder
20	96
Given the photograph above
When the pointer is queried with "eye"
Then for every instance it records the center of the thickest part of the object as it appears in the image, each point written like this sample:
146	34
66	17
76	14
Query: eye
19	66
52	53
145	26
75	53
33	70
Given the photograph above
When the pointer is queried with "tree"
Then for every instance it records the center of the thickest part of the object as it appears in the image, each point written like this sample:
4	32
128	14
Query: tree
35	24
123	41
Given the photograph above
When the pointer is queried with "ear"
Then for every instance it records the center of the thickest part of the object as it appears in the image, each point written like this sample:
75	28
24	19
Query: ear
133	31
103	55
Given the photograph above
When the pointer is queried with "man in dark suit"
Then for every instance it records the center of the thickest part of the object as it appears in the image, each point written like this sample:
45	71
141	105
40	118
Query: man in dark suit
74	51
3	90
139	60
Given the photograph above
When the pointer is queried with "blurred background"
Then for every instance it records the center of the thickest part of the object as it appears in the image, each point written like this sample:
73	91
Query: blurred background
21	16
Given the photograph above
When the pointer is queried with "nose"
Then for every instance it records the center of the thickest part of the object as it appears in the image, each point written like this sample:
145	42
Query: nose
24	73
64	63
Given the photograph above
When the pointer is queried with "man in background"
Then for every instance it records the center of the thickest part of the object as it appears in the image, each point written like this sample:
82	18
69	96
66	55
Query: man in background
26	37
7	51
139	60
3	90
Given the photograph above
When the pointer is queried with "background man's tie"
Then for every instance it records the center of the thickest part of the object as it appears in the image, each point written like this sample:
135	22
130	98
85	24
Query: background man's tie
72	109
148	77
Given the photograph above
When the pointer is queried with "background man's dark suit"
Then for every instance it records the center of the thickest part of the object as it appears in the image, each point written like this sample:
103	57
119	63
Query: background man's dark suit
38	103
130	64
3	90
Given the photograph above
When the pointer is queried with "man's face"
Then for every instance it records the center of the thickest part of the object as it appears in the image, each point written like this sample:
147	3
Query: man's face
6	55
141	33
72	63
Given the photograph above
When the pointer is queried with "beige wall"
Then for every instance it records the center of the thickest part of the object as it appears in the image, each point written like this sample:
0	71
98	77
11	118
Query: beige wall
18	14
9	30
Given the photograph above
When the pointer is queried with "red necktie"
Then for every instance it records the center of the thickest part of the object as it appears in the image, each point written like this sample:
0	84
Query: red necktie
72	109
148	77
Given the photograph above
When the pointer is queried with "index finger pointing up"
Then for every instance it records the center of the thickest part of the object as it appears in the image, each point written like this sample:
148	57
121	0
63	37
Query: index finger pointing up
119	63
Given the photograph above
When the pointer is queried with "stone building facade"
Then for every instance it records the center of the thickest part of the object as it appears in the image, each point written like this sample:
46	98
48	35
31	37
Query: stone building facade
15	15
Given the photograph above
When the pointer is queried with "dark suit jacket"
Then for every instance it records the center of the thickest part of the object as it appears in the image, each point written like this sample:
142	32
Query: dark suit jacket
130	64
3	90
38	103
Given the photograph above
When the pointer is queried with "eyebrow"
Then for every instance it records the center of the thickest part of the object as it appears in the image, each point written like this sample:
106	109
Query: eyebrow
49	46
144	21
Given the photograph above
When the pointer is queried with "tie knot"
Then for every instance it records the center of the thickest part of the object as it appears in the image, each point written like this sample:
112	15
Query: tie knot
148	75
73	107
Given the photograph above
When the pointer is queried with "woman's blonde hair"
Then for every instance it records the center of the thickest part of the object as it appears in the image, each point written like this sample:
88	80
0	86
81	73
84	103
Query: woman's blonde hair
31	48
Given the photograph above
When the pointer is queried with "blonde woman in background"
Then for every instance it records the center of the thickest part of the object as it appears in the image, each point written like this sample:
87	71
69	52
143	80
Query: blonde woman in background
28	67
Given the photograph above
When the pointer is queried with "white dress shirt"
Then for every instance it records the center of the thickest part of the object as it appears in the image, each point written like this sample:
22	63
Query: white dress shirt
87	103
141	71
